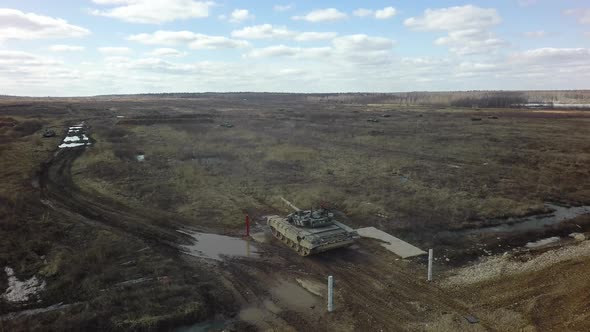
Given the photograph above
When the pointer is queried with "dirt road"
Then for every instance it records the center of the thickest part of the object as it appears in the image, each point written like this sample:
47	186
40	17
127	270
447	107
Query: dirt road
374	290
60	193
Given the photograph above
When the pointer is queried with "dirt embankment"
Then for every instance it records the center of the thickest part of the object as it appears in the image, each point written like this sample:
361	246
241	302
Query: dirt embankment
529	291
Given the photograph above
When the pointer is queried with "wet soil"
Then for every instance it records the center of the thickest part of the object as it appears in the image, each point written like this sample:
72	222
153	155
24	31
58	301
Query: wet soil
374	290
217	247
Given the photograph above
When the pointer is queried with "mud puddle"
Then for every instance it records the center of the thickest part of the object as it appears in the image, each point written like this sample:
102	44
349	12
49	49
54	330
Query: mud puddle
294	295
285	296
216	247
530	223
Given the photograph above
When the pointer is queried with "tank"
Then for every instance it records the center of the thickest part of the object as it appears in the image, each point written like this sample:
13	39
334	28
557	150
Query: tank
49	133
312	231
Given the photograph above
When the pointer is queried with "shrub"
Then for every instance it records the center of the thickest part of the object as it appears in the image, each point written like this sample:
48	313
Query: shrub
28	127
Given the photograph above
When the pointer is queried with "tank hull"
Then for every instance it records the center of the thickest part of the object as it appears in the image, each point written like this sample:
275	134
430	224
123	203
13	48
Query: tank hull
306	241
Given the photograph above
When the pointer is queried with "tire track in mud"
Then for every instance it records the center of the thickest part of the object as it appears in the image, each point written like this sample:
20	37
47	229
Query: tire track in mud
373	290
63	196
60	193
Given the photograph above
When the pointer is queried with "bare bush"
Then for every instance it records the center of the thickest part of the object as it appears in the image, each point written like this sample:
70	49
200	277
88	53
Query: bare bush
27	128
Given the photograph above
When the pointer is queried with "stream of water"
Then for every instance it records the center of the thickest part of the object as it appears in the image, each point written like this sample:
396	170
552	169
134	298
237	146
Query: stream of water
530	223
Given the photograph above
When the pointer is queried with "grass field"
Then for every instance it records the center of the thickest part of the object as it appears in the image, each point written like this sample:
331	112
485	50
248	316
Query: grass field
417	168
414	171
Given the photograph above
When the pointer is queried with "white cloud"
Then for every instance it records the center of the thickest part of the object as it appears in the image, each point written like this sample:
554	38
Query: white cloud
216	42
286	51
322	15
28	71
351	49
535	34
164	37
113	50
277	50
171	52
380	14
152	11
467	26
362	12
15	24
385	13
193	40
455	18
20	58
313	36
337	68
283	8
473	41
268	31
557	56
583	14
240	15
361	42
263	31
66	48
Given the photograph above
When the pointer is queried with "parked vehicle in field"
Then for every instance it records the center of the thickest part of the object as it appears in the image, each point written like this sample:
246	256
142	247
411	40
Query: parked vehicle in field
312	231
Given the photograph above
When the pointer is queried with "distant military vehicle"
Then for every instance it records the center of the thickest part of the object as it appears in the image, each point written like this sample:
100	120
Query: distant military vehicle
226	125
49	133
312	231
373	120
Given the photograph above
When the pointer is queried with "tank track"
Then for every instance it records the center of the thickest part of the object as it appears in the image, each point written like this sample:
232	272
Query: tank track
291	244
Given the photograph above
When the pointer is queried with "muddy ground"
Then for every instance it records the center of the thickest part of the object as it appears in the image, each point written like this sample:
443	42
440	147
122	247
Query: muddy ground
116	257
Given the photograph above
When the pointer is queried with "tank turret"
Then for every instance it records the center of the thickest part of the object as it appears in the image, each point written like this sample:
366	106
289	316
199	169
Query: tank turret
311	218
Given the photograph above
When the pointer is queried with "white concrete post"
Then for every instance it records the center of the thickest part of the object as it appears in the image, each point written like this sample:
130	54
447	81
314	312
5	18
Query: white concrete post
330	294
430	255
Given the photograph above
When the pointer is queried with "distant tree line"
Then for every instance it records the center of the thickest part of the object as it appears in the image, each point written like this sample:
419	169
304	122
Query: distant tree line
500	99
474	98
492	100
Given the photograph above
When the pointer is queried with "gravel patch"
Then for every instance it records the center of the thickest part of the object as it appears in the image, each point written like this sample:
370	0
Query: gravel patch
20	291
500	266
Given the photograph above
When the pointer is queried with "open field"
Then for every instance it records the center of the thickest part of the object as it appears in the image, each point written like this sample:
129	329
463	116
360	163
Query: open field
82	218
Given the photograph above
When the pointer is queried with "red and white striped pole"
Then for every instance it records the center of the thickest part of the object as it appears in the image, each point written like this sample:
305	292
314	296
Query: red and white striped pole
247	225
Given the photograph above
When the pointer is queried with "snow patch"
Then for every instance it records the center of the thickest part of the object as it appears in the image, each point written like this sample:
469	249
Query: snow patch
542	242
20	291
72	145
71	139
76	137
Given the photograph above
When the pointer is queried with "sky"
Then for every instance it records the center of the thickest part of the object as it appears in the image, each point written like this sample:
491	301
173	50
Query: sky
94	47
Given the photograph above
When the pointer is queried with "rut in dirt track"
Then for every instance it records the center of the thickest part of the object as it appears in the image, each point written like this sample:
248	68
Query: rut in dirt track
376	291
381	293
59	192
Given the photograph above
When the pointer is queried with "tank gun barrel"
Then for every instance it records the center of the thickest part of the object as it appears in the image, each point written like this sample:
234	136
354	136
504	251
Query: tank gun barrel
290	204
